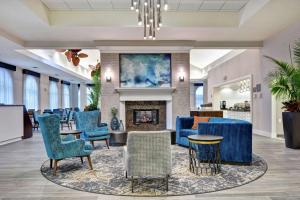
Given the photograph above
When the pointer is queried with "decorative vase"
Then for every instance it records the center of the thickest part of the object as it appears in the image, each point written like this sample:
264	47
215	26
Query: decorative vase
121	128
114	124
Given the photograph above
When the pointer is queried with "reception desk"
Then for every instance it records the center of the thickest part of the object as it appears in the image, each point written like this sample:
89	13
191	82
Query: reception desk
15	123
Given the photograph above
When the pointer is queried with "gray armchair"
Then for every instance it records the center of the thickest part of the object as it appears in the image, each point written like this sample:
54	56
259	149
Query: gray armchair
148	154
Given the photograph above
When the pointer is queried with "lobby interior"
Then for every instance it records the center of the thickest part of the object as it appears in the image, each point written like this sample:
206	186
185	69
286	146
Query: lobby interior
175	99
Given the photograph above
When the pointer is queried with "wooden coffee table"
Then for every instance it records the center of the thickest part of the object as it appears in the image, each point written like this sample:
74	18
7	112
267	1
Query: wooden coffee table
76	133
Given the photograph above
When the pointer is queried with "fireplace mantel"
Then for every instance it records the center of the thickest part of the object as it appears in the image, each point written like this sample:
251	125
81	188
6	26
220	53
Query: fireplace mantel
145	94
169	90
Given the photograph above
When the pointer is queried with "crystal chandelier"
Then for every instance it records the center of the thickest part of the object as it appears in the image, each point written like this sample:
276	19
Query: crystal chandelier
149	15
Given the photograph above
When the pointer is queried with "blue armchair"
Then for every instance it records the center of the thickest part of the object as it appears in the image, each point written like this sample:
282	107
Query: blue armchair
56	148
88	123
237	143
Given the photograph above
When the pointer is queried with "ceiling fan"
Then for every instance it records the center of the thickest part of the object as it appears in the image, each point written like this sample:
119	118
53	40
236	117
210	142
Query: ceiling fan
73	55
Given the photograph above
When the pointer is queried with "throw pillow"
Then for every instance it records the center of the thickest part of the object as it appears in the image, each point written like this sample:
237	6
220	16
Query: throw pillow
199	119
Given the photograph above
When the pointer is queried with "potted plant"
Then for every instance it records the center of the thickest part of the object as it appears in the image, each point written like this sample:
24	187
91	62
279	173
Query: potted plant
96	89
114	124
284	83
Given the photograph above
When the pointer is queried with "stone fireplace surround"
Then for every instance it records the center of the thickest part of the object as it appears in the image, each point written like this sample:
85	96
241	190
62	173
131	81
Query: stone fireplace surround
130	106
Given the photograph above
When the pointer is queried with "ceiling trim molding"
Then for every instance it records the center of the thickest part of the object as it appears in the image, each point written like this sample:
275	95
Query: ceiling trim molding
143	45
59	44
228	44
11	37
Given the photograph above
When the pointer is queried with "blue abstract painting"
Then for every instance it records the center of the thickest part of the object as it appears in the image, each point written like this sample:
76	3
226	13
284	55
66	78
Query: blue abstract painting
145	70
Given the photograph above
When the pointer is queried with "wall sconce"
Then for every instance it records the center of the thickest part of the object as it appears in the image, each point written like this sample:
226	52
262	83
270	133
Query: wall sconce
108	76
181	75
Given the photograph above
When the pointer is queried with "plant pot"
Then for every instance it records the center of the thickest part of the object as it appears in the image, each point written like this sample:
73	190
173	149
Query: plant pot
114	124
291	129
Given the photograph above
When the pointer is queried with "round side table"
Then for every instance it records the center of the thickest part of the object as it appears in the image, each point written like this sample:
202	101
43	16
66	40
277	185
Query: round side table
204	153
76	133
118	138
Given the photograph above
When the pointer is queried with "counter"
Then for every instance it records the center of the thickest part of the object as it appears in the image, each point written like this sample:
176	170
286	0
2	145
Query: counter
233	114
14	124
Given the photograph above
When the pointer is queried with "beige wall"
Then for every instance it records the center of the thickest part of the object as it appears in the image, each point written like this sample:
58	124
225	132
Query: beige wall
181	96
266	110
277	46
247	63
110	98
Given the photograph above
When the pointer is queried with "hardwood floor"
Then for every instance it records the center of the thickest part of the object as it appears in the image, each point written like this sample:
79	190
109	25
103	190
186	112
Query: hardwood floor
20	176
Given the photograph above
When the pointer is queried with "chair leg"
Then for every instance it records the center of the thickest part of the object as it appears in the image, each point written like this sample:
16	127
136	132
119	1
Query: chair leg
55	167
92	143
167	182
90	162
51	163
132	184
71	126
81	160
107	143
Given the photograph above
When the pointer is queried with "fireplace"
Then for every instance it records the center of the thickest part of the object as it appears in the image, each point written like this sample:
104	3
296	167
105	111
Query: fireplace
145	116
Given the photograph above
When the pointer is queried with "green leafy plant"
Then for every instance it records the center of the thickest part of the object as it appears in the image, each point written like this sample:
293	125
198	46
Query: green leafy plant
96	89
284	82
114	111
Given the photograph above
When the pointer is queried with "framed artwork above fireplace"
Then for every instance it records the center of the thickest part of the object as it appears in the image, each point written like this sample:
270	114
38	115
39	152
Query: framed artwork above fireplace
145	70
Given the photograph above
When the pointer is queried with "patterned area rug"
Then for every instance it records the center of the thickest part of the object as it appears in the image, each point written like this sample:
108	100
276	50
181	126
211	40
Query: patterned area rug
108	175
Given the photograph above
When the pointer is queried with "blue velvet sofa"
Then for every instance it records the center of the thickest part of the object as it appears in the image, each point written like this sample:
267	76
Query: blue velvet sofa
236	146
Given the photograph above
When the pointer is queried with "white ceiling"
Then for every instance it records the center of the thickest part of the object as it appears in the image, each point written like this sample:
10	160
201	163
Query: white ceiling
174	5
201	58
86	24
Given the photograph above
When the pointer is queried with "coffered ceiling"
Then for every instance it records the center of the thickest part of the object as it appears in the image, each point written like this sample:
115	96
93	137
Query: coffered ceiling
124	5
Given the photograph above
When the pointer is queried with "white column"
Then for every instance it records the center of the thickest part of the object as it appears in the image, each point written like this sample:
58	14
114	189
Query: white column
18	86
169	116
83	96
44	92
59	86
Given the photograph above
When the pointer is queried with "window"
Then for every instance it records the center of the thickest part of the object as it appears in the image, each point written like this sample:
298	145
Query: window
199	96
31	92
53	95
6	87
88	93
66	96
